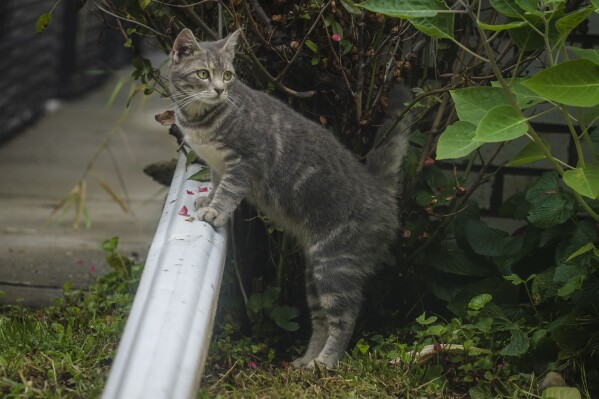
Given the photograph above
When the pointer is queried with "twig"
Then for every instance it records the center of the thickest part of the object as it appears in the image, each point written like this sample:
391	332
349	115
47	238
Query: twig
301	45
196	18
270	78
128	20
260	13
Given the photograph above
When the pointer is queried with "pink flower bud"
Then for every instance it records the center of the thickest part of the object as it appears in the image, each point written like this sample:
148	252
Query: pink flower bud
336	37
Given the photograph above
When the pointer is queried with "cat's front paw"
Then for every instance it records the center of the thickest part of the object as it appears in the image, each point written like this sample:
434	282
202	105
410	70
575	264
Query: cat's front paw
212	216
202	202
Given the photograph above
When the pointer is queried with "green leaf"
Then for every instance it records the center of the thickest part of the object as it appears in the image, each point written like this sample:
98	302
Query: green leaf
423	320
549	205
568	22
479	301
458	263
501	27
561	393
404	8
582	250
518	344
584	181
42	22
439	26
507	8
529	153
526	38
514	279
573	82
490	242
573	284
352	7
457	141
473	103
312	46
191	157
202	176
524	96
586	53
282	316
501	123
144	3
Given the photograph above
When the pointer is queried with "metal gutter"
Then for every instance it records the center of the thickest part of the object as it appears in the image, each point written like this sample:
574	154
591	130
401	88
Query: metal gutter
166	339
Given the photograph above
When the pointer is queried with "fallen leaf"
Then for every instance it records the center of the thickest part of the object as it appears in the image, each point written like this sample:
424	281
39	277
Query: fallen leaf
323	120
167	118
190	219
183	211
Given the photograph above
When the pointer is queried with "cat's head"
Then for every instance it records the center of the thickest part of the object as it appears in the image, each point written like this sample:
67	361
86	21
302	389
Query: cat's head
203	70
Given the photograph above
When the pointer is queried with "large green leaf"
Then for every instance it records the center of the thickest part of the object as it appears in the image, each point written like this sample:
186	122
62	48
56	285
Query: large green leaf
568	22
473	103
586	53
458	263
529	153
457	141
518	344
439	26
525	98
549	205
573	82
584	181
502	123
526	38
507	7
490	242
404	8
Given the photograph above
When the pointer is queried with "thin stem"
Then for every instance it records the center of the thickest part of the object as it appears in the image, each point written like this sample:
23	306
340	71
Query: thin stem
301	45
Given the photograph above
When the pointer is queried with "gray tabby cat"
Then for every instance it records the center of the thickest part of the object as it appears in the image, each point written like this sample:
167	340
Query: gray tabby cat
342	213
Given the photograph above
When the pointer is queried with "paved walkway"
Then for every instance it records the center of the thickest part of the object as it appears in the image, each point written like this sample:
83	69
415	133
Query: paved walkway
42	164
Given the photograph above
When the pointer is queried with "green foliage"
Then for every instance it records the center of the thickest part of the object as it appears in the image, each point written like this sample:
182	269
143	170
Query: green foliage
263	306
526	301
65	350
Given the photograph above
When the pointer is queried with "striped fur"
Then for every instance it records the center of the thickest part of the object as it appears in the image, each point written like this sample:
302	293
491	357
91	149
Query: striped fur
342	213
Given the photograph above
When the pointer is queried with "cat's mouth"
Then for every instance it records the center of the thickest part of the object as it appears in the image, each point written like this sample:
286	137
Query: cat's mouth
216	98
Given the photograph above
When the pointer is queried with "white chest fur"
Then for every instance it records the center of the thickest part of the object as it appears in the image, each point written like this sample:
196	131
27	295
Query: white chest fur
208	152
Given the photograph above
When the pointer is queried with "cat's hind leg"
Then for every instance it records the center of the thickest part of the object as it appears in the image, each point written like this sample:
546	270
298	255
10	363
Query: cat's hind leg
338	281
320	329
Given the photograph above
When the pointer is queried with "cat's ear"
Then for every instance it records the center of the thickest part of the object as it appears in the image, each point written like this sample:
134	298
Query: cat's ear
230	43
185	44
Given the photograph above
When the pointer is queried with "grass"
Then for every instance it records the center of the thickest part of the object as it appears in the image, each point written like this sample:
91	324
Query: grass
246	368
65	350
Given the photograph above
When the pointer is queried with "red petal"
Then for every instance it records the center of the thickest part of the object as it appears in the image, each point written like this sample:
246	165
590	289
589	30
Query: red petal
189	192
202	189
183	211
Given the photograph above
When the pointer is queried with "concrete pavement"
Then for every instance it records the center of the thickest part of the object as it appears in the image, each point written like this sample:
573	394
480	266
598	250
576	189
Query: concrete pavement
42	164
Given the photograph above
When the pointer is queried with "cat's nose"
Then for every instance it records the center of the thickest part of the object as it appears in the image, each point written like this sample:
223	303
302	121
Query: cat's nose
219	90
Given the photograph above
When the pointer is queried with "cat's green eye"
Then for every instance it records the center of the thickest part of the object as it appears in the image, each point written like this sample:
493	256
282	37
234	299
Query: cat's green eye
227	75
203	74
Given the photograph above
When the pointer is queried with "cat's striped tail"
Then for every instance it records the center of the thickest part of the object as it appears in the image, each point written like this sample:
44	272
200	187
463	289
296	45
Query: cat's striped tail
391	146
